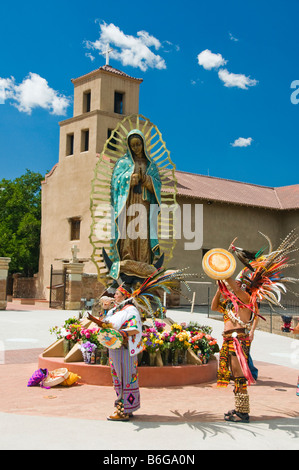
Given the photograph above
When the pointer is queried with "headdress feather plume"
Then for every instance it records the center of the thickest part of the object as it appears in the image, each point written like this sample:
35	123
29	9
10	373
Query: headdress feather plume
264	277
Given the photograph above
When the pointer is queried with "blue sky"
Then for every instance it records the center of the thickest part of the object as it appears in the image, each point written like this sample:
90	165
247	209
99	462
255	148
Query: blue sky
217	80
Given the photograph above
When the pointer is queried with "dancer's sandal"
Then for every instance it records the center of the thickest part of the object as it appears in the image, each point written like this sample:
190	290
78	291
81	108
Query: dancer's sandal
237	417
119	414
116	416
229	413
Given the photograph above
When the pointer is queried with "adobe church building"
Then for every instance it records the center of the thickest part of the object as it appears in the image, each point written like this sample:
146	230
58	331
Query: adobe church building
229	209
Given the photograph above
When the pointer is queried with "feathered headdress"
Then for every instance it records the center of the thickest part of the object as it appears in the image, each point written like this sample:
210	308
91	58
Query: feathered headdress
146	297
263	275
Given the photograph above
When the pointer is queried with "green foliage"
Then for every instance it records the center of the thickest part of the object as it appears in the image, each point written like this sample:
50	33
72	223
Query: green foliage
20	222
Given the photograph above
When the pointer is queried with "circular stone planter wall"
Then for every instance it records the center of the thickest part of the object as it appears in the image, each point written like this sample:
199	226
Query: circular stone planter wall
166	376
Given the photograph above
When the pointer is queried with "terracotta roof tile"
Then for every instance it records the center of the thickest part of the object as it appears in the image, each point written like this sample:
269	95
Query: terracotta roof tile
108	68
105	68
288	196
236	192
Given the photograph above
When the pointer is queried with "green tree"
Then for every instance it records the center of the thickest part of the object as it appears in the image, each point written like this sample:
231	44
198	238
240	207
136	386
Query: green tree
20	222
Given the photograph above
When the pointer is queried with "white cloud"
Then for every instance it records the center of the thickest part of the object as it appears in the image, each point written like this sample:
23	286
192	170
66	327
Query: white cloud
34	92
169	46
209	60
129	50
232	38
242	142
6	88
235	80
90	56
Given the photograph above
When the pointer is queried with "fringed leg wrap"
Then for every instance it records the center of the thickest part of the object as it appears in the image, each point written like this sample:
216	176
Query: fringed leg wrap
242	409
242	403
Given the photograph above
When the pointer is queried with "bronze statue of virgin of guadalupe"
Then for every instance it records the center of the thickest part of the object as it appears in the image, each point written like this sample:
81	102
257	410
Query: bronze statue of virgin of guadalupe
128	221
135	195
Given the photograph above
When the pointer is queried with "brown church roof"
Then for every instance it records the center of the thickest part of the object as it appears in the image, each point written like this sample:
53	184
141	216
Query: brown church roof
288	196
236	192
105	68
108	68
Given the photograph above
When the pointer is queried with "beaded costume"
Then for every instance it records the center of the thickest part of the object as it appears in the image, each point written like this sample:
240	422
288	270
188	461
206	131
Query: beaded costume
263	280
235	343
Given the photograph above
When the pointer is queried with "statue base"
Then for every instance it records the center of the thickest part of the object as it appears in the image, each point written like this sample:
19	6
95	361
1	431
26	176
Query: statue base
149	376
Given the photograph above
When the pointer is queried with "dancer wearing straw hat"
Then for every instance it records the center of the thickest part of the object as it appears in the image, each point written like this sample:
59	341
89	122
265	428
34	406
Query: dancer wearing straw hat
234	354
262	279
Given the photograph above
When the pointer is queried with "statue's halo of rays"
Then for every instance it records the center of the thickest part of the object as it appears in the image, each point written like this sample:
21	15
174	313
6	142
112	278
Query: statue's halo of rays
100	199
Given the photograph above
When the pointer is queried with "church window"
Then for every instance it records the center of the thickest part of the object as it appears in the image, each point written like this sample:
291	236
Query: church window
118	102
70	144
75	223
86	101
85	140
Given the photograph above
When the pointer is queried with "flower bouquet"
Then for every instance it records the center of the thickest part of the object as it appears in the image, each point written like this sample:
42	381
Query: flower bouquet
91	335
73	332
179	339
165	347
152	342
173	345
204	345
69	332
87	349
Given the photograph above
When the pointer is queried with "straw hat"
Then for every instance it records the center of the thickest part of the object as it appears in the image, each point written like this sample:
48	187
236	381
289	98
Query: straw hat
219	264
56	377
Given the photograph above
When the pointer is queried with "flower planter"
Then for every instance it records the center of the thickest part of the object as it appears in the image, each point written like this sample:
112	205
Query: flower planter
86	357
182	356
167	376
166	357
103	357
152	358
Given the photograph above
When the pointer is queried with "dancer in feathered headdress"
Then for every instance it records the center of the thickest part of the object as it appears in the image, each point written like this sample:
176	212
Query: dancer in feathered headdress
147	296
262	279
125	319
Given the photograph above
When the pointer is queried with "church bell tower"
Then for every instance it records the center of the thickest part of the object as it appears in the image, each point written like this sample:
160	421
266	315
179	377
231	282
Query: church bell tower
102	98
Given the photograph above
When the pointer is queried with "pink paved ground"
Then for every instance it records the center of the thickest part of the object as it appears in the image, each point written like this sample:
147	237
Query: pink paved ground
273	396
16	305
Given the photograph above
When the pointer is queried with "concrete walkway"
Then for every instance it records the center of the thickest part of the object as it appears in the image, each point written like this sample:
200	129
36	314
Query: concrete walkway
177	418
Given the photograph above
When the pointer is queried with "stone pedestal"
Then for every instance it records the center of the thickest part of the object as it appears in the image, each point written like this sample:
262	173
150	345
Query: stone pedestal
74	273
4	264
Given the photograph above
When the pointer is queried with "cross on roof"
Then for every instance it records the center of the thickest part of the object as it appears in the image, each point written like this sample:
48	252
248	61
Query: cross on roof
107	52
